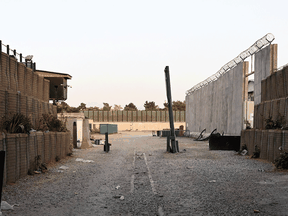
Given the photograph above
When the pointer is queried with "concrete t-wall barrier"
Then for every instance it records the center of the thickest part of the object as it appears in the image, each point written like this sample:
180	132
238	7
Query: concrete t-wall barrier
265	65
219	104
134	116
138	126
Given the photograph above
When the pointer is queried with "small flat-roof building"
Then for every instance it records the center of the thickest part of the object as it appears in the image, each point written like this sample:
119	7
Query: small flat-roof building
58	84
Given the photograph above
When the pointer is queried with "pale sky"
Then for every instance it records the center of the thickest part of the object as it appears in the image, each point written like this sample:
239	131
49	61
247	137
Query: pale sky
116	51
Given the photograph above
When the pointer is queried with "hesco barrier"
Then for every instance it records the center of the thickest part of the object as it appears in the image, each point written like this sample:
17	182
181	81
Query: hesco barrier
270	142
274	99
23	149
22	90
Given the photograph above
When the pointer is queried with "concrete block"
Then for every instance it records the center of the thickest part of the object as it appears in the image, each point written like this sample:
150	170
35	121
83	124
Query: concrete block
153	116
144	116
105	116
101	116
148	116
120	116
139	116
133	116
110	116
114	116
129	116
125	116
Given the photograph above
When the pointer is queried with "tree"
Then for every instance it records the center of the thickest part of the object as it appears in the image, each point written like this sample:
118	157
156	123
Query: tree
93	108
130	107
179	106
117	107
106	107
64	107
176	106
82	106
151	106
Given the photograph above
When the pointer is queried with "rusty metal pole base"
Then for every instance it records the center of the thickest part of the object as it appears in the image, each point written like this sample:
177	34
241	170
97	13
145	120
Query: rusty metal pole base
168	144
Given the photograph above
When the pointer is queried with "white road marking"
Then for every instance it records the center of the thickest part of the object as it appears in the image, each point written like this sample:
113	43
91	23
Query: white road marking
132	184
133	177
160	211
149	174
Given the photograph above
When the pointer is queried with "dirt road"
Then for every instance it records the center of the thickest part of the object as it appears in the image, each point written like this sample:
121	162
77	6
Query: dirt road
137	177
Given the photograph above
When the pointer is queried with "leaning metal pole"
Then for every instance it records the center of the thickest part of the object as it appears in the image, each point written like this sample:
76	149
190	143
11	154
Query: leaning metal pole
174	143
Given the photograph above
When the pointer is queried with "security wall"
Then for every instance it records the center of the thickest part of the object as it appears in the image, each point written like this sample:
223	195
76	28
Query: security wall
22	90
23	149
134	116
219	104
265	65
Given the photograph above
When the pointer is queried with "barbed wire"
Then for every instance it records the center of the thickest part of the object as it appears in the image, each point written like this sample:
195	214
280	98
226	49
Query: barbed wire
256	47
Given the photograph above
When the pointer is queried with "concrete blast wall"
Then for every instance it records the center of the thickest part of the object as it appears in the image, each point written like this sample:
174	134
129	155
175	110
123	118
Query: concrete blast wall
265	65
219	104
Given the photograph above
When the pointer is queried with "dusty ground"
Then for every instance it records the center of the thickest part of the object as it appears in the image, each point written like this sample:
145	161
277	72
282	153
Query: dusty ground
193	182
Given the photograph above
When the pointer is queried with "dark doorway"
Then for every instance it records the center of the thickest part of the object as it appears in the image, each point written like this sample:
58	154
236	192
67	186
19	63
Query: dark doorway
74	135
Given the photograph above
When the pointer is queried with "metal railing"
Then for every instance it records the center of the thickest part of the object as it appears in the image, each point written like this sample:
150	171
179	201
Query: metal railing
256	47
16	55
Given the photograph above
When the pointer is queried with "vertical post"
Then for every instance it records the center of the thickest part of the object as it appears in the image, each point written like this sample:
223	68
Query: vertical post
8	50
20	57
2	161
169	97
14	53
245	93
34	66
106	146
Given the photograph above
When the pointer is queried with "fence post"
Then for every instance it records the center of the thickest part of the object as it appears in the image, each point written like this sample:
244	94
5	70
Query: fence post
2	161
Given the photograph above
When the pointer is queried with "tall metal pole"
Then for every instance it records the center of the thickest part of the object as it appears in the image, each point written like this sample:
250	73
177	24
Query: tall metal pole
169	97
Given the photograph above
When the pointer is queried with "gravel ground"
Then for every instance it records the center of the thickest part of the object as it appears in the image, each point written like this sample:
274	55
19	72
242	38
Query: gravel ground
195	181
